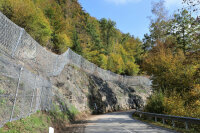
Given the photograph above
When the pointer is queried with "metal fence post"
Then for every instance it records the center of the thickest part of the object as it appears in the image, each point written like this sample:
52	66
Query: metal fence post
18	42
41	98
16	94
186	125
47	101
50	96
155	119
55	66
33	95
37	99
163	121
51	100
173	123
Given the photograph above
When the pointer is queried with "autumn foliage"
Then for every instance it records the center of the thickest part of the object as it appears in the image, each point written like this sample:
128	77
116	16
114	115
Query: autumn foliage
170	53
175	77
62	24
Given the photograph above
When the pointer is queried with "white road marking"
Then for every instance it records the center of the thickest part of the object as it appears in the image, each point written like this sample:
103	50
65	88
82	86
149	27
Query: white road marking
127	130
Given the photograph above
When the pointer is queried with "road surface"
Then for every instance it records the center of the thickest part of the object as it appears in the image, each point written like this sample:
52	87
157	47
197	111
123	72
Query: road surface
120	122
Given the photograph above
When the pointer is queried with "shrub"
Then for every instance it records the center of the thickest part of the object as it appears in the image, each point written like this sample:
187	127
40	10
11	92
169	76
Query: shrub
155	103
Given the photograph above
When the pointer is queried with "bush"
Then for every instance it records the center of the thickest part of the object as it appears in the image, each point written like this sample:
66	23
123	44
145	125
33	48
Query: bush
115	63
63	43
132	68
173	103
170	70
155	103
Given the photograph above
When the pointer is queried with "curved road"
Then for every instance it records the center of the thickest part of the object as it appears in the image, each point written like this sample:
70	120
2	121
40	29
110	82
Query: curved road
120	122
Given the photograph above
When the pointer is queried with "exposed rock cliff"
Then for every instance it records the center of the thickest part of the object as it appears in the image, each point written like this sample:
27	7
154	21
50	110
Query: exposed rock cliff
87	92
33	78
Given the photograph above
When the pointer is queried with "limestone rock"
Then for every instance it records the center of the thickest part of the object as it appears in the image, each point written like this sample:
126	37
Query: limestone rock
88	92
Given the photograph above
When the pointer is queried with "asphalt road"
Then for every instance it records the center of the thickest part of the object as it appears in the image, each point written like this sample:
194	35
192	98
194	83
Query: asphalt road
120	122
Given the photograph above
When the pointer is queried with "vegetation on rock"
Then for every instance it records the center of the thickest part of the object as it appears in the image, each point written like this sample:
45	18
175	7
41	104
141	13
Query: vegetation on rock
170	53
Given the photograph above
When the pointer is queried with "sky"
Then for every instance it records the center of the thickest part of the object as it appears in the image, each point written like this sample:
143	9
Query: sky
131	16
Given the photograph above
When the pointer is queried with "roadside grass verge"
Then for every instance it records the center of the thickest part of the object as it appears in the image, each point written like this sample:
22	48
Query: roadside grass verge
166	125
41	121
37	123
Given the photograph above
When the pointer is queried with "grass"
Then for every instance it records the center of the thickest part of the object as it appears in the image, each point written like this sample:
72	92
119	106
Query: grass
160	124
36	123
41	121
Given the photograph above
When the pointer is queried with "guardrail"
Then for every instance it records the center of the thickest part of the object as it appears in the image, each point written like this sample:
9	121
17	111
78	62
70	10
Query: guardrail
186	120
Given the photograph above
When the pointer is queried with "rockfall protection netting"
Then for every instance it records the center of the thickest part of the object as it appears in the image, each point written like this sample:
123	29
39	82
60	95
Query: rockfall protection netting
21	92
26	66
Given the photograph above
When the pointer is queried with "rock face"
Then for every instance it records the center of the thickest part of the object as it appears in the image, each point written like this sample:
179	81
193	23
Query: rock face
73	86
90	93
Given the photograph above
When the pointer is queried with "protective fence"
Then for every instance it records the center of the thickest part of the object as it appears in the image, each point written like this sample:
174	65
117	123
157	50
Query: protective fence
20	45
21	92
24	89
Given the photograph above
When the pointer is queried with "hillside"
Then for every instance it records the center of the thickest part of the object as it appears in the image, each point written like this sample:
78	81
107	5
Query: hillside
36	79
62	59
59	24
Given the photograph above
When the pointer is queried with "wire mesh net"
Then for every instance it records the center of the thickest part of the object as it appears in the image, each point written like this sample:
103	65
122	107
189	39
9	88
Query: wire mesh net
25	67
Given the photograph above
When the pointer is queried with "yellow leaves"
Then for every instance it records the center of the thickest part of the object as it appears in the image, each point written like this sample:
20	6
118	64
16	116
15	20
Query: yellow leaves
174	105
179	105
115	63
92	56
64	42
132	68
197	103
170	69
25	14
104	60
63	24
195	92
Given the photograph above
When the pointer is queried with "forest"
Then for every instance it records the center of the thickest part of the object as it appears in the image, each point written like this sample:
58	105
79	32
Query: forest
169	53
62	24
173	61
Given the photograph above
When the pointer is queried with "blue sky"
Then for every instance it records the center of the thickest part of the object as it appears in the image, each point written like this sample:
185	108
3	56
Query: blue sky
131	16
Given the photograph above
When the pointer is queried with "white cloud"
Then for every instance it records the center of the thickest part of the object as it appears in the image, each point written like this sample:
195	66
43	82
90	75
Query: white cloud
117	2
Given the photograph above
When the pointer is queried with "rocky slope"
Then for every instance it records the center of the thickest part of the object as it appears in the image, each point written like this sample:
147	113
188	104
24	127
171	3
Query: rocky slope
87	92
75	86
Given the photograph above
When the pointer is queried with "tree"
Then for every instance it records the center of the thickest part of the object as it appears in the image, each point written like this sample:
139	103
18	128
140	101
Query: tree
115	63
59	24
76	43
133	49
159	26
25	14
108	32
184	27
93	30
63	43
131	68
103	61
169	70
193	5
147	42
